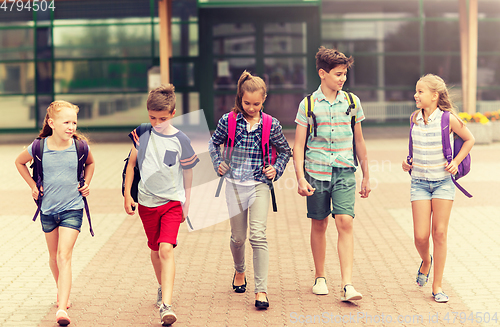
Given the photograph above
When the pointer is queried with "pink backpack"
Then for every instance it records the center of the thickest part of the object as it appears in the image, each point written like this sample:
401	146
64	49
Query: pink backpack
267	122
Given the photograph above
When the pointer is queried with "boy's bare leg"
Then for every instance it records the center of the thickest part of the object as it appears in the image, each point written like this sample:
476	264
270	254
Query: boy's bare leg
167	271
155	260
318	245
345	246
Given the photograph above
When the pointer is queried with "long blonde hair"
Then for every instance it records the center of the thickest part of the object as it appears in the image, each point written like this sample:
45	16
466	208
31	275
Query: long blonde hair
52	111
437	84
248	83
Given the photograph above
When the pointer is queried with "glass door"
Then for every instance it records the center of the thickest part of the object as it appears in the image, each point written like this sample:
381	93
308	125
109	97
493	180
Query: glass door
278	48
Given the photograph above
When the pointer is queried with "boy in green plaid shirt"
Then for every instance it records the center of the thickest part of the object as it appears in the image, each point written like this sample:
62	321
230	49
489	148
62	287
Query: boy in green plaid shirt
325	168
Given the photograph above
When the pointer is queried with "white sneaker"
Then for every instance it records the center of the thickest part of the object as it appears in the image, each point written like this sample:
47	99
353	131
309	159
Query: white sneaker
167	315
348	293
319	287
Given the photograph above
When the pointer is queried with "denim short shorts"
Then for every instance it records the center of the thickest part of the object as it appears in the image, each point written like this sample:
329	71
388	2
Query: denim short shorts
427	190
70	219
334	197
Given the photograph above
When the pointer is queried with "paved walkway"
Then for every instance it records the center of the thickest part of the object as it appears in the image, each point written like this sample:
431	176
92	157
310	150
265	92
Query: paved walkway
114	284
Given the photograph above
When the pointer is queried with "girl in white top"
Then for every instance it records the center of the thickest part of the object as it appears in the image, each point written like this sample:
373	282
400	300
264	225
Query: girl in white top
432	189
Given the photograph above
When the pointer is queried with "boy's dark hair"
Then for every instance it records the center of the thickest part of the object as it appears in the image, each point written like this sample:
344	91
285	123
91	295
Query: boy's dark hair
162	98
327	59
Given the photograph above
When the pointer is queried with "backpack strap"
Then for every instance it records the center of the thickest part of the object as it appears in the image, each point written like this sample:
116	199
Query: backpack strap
447	151
37	151
143	139
82	152
267	122
410	143
312	125
229	146
352	110
231	135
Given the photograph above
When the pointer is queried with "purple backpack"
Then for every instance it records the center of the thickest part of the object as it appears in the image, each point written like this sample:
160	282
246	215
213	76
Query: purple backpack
464	166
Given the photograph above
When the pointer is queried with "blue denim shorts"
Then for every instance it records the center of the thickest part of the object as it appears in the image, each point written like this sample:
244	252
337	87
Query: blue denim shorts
69	219
334	197
427	190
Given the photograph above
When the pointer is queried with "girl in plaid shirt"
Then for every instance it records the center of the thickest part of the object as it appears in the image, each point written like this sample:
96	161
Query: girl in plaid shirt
247	190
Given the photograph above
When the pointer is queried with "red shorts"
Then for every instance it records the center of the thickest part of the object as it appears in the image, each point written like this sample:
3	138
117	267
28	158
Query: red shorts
161	224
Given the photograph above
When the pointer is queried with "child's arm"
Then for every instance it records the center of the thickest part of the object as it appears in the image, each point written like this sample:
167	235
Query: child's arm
20	162
461	130
362	155
187	175
304	188
218	137
88	173
277	138
129	203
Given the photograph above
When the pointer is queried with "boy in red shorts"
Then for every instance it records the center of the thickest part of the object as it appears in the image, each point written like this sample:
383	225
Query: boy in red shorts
165	159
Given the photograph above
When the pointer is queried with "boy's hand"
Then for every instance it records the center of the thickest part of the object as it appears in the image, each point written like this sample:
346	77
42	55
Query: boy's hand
407	166
84	190
185	210
223	168
452	167
34	192
305	189
365	188
269	171
130	205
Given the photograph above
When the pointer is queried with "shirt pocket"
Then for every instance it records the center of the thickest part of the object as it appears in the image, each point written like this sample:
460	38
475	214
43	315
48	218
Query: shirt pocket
170	158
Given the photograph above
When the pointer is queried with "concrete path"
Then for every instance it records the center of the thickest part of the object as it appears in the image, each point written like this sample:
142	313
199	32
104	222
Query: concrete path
114	283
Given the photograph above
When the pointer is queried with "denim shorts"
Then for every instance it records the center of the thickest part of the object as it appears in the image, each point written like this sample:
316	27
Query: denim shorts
336	196
68	218
427	190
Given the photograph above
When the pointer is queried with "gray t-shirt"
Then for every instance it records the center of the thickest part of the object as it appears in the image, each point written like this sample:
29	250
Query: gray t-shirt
60	182
162	168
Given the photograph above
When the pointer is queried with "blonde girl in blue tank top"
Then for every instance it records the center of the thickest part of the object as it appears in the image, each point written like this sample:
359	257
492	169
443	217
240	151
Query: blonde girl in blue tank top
62	206
432	189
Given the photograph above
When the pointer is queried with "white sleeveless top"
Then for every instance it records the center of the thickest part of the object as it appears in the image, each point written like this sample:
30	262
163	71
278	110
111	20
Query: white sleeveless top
428	159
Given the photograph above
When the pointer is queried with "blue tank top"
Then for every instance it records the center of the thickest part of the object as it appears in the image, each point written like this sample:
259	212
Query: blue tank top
60	183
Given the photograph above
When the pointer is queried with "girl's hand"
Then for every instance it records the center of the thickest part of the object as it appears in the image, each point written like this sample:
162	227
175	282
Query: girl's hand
84	190
305	189
270	172
452	167
407	166
365	188
223	168
34	192
129	205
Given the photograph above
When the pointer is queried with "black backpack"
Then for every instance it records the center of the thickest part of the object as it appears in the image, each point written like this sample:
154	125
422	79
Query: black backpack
137	174
82	151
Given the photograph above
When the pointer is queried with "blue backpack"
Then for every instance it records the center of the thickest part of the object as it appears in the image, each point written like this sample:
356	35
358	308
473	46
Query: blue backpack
82	151
463	167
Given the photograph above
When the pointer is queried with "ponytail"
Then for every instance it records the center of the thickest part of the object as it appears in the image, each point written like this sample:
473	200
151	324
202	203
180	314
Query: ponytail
248	83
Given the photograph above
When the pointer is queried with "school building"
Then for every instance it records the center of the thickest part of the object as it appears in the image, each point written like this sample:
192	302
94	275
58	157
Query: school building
103	55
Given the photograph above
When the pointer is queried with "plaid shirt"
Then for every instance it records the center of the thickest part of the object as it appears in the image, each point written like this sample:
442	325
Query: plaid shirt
247	160
333	145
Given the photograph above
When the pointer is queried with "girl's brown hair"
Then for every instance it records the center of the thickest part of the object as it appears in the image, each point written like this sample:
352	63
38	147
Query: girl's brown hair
437	84
52	111
248	83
